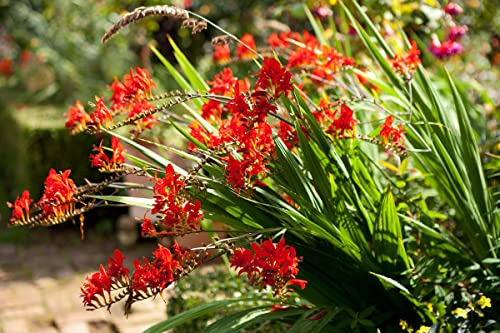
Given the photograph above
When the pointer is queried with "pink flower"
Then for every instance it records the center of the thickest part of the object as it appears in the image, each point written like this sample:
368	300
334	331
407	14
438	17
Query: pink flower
452	9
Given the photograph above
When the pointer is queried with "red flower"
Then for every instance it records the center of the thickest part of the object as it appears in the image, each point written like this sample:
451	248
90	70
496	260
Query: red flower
390	133
6	67
288	134
139	83
148	279
156	275
96	284
222	54
102	161
405	65
58	193
273	75
101	116
118	96
78	119
274	41
301	57
139	109
116	270
21	207
243	52
269	264
345	121
178	210
24	58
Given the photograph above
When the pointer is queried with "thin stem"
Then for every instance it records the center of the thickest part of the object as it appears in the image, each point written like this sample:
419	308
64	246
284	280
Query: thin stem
227	33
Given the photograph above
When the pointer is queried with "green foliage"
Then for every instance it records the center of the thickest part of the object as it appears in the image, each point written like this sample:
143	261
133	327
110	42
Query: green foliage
200	288
67	58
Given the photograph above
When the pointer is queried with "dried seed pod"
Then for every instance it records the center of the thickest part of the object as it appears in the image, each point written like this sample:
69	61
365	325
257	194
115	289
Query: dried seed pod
221	40
142	12
200	26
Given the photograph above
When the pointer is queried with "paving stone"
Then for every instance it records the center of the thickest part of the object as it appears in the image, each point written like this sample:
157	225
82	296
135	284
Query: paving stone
75	327
62	319
143	319
58	302
49	329
102	327
21	294
23	312
46	282
15	325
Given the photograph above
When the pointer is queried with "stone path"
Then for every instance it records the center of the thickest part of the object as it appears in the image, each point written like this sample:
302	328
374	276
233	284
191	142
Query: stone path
40	280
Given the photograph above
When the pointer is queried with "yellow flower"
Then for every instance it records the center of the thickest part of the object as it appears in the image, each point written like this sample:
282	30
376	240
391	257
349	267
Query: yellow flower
462	313
404	325
484	302
423	329
430	307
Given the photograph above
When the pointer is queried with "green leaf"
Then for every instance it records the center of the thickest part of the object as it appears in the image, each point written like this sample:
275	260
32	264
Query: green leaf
387	236
318	29
305	324
238	321
391	282
194	313
161	161
191	73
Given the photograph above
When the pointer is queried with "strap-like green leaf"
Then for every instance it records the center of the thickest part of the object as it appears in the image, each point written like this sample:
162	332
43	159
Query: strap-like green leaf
193	313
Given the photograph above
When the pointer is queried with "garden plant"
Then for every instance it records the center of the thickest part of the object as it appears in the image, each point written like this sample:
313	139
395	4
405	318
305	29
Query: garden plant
348	179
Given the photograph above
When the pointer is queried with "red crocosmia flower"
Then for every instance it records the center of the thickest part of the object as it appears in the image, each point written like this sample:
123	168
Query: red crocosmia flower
58	193
273	75
137	110
21	207
405	65
452	9
102	116
156	275
178	211
301	57
96	288
211	108
78	119
334	60
224	84
282	41
243	52
147	228
139	83
6	67
102	161
390	133
199	133
287	133
119	95
116	270
345	121
269	264
235	171
261	108
24	58
222	54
